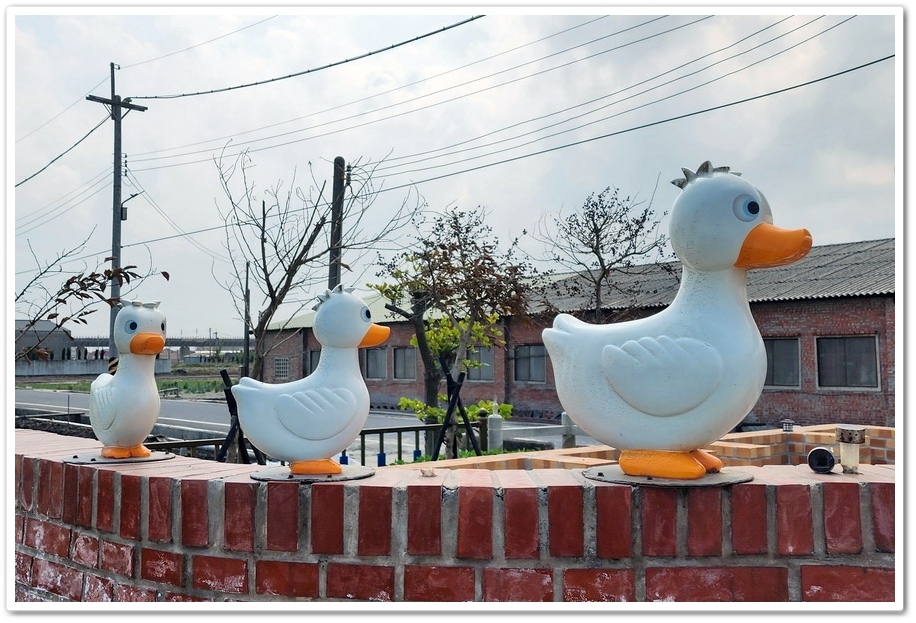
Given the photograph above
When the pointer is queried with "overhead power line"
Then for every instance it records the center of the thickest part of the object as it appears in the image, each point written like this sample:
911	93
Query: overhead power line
65	151
310	71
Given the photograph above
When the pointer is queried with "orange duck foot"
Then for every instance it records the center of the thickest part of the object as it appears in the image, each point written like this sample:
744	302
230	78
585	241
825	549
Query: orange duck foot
116	452
321	466
667	464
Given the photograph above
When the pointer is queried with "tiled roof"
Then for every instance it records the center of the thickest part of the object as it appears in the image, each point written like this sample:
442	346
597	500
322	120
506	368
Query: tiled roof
828	271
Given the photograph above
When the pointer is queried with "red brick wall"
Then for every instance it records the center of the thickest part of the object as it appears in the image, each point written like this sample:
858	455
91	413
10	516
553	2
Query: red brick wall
807	405
191	530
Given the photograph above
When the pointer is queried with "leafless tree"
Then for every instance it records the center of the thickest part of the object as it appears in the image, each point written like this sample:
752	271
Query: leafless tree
609	235
281	239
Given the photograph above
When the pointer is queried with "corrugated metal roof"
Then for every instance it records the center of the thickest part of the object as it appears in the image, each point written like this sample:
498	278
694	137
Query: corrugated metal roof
828	271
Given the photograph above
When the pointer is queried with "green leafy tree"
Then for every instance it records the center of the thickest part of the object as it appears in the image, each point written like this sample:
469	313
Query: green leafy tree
454	284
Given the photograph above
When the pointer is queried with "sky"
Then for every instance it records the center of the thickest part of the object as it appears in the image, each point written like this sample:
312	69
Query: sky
523	111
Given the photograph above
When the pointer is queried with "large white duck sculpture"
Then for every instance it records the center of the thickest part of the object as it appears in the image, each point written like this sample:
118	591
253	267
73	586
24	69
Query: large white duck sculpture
661	388
124	407
307	421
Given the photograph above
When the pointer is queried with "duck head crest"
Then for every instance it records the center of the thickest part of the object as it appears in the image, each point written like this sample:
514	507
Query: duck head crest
327	294
704	170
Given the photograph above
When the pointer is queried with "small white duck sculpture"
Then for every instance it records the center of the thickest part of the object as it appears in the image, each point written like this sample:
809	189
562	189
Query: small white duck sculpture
661	388
124	407
307	421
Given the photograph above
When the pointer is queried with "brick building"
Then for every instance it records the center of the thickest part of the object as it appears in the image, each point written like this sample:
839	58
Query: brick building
827	323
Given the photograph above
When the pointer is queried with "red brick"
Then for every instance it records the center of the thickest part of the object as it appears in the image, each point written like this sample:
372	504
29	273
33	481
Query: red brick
704	521
159	517
129	506
846	584
286	579
117	558
614	538
794	521
599	585
57	578
26	483
739	584
517	584
70	502
195	530
566	529
98	589
475	514
749	519
85	550
842	519
521	524
161	566
125	592
238	516
882	515
105	500
86	494
226	575
23	568
438	584
424	519
50	488
374	534
659	521
327	518
283	516
364	582
47	537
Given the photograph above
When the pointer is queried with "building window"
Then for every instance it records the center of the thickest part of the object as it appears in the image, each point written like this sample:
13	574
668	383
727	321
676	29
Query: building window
311	361
375	363
782	362
484	371
405	363
281	368
531	363
847	361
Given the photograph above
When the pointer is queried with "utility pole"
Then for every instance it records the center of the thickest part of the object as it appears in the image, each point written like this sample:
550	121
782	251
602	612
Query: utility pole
115	104
246	323
336	222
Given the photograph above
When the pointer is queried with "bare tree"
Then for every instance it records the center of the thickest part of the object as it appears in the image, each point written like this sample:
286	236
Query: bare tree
609	235
457	268
70	301
285	241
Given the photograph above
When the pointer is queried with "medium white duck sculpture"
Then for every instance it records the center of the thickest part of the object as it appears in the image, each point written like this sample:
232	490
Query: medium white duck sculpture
661	388
124	407
308	421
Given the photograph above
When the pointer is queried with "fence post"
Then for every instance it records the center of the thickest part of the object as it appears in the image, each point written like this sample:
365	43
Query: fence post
483	430
494	432
569	435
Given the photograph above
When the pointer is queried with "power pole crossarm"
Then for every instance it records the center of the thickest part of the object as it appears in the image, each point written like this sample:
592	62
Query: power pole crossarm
116	105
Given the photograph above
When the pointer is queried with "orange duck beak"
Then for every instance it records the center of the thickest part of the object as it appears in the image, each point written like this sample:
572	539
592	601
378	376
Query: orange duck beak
375	336
147	344
767	246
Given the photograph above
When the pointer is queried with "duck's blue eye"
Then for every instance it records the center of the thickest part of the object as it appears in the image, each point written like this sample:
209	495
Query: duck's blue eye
746	208
132	326
367	315
163	326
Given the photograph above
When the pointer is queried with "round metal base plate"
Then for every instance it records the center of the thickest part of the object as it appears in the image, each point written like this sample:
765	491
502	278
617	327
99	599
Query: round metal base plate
613	473
98	459
350	472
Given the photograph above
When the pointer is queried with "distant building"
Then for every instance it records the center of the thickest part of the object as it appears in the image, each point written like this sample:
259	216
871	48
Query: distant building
44	335
828	323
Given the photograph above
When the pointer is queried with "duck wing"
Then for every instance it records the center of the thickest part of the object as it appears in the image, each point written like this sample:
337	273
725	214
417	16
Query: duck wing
318	413
102	406
663	376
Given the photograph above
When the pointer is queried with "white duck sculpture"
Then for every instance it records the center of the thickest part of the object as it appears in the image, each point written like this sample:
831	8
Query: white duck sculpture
124	407
307	421
661	388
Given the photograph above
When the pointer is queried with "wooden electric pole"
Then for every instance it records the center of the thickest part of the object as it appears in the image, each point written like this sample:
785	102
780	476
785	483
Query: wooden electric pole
116	104
336	222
